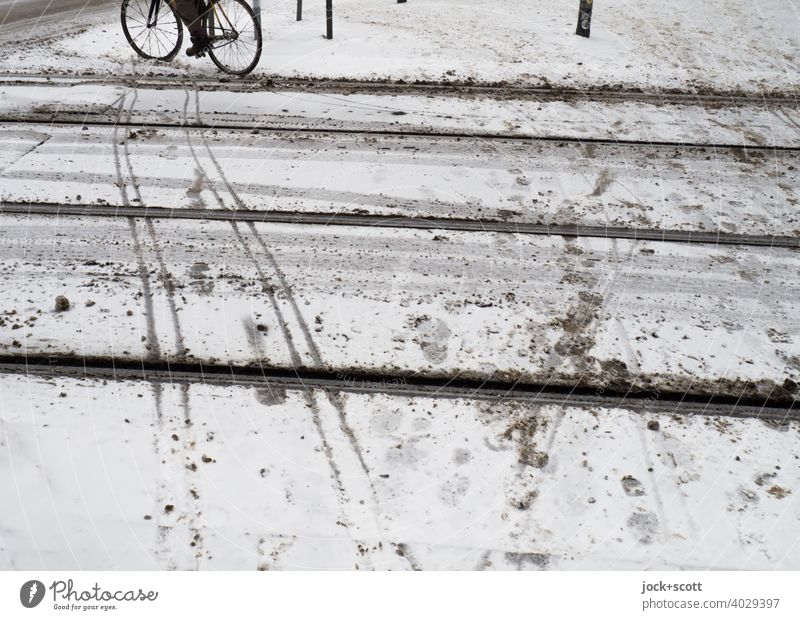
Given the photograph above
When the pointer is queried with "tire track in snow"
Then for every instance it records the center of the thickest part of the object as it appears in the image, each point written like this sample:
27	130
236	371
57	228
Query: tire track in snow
24	154
166	278
268	288
334	398
163	550
169	286
153	346
342	497
232	192
152	339
200	169
341	493
789	119
126	151
253	338
123	188
191	497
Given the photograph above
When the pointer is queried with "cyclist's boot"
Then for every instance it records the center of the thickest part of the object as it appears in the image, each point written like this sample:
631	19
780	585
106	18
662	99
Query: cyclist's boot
200	42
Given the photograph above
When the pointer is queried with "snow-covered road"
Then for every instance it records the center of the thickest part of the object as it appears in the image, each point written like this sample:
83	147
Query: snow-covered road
612	458
126	475
728	190
579	115
599	312
589	163
32	11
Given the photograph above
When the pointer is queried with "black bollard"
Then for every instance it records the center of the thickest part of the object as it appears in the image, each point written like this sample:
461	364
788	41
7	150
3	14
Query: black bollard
299	10
584	18
329	18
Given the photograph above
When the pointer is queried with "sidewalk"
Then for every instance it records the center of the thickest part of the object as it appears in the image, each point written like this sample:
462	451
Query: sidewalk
684	45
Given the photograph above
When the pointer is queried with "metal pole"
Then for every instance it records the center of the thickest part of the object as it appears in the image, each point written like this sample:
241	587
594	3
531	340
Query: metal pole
329	18
152	17
257	11
584	18
299	10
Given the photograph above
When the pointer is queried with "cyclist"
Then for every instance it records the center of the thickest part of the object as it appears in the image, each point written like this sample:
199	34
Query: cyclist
190	11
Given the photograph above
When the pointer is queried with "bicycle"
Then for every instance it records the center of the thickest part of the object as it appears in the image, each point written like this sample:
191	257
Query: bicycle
155	32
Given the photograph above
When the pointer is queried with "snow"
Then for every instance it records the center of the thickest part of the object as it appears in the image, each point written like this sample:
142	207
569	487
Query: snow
443	483
534	116
668	317
102	474
722	45
646	187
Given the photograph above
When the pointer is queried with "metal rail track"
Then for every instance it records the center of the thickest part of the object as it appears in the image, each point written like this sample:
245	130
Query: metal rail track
773	410
180	81
390	221
82	119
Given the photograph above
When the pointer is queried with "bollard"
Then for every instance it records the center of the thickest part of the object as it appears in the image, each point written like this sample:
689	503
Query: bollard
299	10
257	11
584	18
329	18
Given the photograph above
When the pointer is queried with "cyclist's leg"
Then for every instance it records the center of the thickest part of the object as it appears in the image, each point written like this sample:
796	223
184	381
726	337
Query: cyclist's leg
190	11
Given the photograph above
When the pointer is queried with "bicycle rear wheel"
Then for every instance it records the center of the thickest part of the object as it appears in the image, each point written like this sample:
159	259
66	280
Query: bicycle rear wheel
156	36
235	36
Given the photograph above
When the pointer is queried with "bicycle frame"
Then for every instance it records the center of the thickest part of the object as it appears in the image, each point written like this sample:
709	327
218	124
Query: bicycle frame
155	7
210	16
212	20
152	17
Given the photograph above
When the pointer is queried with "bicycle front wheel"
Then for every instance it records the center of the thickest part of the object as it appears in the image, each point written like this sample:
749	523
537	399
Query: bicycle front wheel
235	36
154	32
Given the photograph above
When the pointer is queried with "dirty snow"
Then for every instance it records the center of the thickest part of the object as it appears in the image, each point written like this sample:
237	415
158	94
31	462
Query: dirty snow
724	45
548	310
135	476
728	190
141	475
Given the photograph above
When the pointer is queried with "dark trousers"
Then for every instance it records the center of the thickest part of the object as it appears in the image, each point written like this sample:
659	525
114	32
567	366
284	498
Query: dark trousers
190	11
